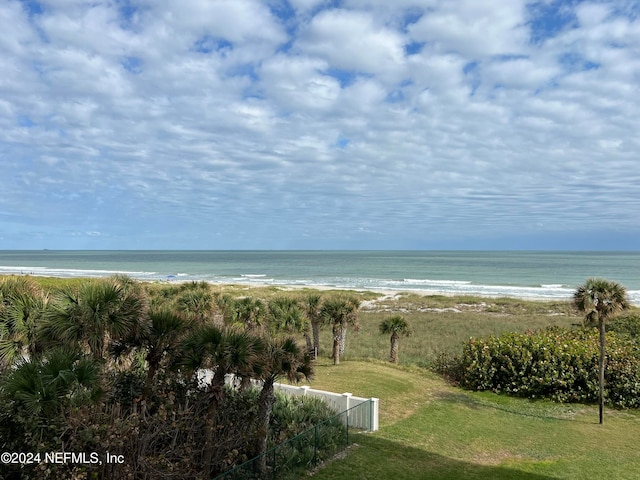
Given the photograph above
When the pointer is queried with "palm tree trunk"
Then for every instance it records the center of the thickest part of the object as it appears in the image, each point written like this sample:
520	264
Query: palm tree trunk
307	340
216	392
315	328
148	382
343	339
393	355
265	404
337	335
601	368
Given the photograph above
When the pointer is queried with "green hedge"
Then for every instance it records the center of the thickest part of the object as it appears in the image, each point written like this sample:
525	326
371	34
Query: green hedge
555	363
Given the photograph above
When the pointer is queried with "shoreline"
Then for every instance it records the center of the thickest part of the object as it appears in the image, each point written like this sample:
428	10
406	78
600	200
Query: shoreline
383	293
634	298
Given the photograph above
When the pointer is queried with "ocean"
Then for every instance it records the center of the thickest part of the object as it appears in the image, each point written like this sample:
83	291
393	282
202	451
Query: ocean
522	274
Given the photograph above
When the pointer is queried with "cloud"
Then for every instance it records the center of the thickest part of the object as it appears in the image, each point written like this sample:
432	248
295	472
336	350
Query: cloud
317	124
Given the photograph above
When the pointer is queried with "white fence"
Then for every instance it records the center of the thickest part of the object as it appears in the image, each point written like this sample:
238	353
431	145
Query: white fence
365	417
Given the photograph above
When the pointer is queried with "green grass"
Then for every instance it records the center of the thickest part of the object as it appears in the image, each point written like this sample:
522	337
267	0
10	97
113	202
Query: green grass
429	429
441	324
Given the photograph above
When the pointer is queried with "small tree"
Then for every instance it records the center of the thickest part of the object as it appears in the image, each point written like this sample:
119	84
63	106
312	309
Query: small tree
600	300
249	312
279	357
312	304
339	312
22	307
397	326
93	316
286	315
225	351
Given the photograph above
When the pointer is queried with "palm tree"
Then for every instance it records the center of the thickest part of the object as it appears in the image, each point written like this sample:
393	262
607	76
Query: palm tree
44	386
196	301
226	351
93	316
339	312
600	299
159	341
312	303
249	312
280	357
286	315
355	305
22	306
397	326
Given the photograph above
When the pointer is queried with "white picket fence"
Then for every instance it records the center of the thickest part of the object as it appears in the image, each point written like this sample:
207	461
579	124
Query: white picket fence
365	417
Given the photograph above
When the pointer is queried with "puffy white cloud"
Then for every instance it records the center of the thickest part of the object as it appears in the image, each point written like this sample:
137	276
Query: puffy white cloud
474	29
245	124
352	40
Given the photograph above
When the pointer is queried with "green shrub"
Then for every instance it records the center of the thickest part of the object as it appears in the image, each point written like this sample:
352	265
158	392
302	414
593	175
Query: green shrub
626	325
555	363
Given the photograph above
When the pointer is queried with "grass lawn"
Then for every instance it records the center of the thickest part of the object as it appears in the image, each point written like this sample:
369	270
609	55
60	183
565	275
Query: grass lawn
429	429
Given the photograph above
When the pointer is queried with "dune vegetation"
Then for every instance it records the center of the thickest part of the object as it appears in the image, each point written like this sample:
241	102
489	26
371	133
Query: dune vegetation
430	427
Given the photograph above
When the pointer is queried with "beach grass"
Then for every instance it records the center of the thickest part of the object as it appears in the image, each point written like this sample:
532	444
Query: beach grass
441	324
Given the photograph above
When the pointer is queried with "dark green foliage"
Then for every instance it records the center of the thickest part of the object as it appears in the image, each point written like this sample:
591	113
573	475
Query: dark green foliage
292	415
304	431
626	325
106	366
555	363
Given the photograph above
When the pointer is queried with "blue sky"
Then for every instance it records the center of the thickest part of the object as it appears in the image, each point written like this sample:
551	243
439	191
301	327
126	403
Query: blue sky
316	124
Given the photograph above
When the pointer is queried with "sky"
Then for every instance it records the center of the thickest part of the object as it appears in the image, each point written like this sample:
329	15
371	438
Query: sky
318	124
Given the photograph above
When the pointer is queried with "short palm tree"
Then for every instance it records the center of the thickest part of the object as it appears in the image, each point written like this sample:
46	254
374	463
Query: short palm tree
286	315
395	326
159	341
339	312
22	306
312	303
93	316
600	300
279	357
249	312
196	302
224	350
45	386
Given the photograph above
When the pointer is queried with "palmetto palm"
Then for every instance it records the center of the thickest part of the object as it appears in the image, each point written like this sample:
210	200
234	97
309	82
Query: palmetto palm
159	340
225	351
600	300
339	312
196	302
43	386
94	315
286	315
22	306
312	304
249	312
279	357
396	326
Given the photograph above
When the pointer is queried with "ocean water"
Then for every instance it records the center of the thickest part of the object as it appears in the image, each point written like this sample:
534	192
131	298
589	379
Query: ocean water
523	274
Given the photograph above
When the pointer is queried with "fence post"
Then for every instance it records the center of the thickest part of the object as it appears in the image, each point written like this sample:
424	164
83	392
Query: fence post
304	389
375	403
347	402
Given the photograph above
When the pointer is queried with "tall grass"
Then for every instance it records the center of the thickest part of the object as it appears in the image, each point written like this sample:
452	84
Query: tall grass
442	324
